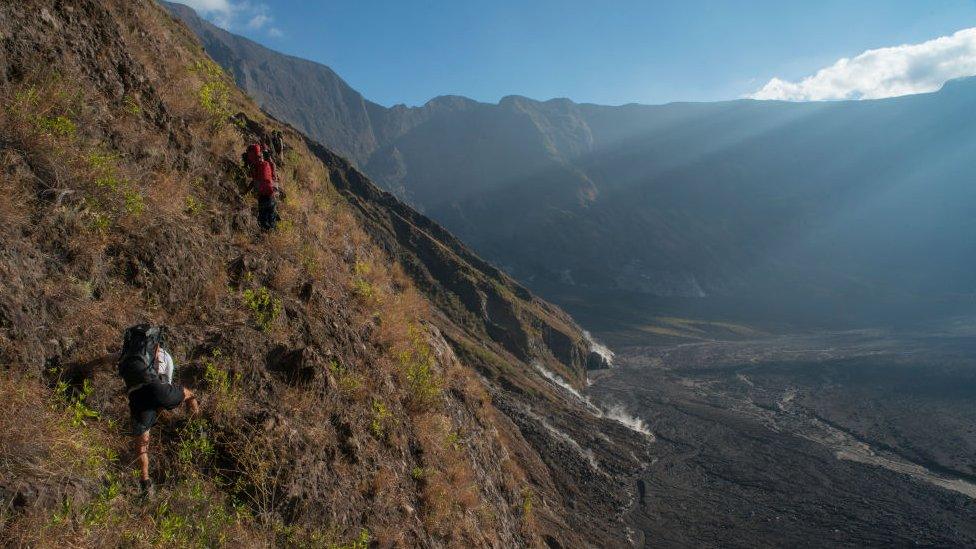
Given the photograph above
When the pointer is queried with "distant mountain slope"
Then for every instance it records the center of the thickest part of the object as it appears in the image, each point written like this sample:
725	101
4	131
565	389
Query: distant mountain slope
792	202
309	95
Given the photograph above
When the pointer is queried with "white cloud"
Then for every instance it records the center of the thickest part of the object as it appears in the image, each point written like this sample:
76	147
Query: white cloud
235	14
884	72
208	5
258	21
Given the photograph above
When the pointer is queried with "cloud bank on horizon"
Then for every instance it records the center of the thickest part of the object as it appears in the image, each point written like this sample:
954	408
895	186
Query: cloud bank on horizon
884	72
230	14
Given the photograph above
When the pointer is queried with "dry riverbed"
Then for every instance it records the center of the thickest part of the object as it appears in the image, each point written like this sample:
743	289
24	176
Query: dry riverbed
853	438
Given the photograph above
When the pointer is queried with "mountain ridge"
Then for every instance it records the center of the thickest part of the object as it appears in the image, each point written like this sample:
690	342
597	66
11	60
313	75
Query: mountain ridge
690	200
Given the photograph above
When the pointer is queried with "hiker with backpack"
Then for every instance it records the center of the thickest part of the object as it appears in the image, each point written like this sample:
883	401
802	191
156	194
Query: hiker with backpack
147	370
277	145
264	178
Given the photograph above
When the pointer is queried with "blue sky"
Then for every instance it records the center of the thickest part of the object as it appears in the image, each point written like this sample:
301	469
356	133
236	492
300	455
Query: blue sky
602	52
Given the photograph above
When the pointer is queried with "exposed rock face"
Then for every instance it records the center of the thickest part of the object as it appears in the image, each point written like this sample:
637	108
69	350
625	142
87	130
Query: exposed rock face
598	361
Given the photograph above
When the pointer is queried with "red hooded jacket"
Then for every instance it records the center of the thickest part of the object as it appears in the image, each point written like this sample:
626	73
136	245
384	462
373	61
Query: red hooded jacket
263	173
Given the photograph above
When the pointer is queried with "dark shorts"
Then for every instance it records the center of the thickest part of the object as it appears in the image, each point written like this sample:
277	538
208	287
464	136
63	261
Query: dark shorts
146	401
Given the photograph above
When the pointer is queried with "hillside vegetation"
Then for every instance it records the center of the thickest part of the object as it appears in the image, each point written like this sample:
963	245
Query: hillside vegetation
364	378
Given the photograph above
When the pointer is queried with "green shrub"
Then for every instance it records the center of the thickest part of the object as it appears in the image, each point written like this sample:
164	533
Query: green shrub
528	502
220	385
194	446
361	542
98	511
360	285
348	381
364	289
453	440
218	380
381	415
79	412
193	206
214	94
418	364
131	106
264	308
192	517
58	126
134	202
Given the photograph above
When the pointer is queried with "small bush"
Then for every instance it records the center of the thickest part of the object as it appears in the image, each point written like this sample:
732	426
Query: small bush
528	503
192	206
264	308
381	415
362	285
218	381
58	126
134	202
214	94
348	381
219	384
453	440
79	412
191	517
418	365
361	542
194	447
131	106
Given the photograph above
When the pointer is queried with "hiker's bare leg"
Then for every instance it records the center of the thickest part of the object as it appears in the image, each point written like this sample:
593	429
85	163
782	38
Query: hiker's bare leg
191	400
141	445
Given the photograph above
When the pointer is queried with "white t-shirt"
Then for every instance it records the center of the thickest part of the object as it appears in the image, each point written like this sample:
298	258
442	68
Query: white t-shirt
164	365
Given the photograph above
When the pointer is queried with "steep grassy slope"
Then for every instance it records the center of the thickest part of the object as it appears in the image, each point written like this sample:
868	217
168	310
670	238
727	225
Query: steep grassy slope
364	378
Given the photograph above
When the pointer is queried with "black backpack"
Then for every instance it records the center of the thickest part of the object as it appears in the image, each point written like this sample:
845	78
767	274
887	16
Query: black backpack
138	359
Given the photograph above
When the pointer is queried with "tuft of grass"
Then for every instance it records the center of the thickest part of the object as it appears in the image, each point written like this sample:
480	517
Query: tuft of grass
219	384
264	307
190	516
194	446
348	382
58	126
362	284
134	202
528	503
381	416
131	106
453	440
192	205
78	410
418	365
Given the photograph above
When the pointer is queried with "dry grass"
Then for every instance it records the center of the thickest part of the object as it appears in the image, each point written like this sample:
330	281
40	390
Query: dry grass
76	266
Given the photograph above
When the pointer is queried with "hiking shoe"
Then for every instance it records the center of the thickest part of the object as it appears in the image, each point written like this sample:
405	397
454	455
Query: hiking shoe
147	488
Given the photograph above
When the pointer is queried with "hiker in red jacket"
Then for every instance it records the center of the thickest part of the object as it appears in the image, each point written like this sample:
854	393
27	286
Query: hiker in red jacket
263	176
251	155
